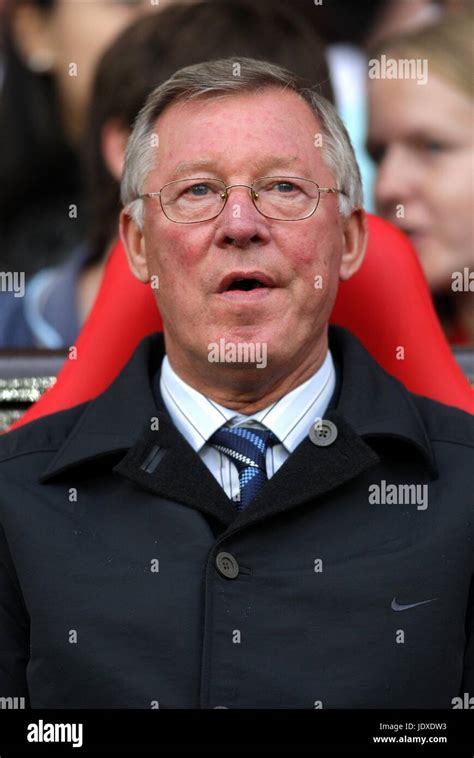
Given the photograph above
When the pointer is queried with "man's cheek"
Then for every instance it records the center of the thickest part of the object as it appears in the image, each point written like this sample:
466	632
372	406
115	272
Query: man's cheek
182	249
314	275
179	292
164	265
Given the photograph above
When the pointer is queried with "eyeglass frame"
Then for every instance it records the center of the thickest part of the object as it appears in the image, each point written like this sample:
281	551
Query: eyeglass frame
331	190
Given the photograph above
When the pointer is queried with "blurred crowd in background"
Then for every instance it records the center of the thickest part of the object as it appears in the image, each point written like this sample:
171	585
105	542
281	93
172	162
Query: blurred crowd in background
75	73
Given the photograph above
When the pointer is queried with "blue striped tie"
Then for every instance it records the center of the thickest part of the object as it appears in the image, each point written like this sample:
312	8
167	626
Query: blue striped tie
246	448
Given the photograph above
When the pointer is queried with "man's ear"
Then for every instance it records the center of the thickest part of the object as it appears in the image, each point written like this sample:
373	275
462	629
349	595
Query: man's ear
355	243
134	244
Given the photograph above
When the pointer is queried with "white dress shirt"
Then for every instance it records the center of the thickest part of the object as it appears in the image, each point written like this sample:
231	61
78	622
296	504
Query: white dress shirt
289	418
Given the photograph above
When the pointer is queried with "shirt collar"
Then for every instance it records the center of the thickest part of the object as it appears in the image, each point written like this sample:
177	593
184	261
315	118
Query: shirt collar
375	405
197	417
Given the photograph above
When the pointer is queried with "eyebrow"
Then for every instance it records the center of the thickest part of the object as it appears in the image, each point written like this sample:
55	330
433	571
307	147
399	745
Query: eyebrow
189	167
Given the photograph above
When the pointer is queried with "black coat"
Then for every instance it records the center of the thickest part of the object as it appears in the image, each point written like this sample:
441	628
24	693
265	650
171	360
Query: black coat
114	590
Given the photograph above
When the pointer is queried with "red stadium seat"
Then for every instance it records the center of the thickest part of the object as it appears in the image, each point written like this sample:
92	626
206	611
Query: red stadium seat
387	305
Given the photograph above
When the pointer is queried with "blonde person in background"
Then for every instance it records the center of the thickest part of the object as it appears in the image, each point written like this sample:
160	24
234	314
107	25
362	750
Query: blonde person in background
422	141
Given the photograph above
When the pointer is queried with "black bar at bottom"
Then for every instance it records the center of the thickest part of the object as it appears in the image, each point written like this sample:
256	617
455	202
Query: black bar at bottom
136	732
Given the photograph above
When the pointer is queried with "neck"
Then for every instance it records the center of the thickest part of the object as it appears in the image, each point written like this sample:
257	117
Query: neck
248	389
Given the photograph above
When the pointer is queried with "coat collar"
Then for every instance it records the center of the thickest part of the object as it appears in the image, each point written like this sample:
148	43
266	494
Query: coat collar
369	404
375	403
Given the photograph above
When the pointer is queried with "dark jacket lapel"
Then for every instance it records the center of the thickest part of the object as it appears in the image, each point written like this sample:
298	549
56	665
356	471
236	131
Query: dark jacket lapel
164	463
130	418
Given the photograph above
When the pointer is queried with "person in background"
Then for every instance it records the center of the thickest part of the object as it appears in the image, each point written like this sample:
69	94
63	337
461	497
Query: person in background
422	141
58	299
350	28
50	50
401	16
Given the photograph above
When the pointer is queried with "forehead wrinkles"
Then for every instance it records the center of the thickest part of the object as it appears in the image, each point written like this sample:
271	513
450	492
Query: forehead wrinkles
232	128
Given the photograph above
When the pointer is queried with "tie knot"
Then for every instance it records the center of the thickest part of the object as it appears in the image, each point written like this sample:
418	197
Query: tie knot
245	446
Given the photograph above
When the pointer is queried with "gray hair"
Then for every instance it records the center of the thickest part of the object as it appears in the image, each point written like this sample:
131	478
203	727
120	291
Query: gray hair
222	77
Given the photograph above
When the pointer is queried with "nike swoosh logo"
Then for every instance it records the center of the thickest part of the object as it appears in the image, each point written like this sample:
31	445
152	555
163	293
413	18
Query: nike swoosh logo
398	607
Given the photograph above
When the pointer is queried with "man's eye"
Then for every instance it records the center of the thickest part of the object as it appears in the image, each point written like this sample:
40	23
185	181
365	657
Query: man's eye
198	190
284	187
280	188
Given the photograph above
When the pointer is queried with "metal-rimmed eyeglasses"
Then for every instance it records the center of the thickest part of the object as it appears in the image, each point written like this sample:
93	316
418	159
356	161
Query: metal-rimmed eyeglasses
282	198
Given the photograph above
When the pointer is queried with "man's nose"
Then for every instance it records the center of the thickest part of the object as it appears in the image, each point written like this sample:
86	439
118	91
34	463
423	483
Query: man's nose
240	223
394	182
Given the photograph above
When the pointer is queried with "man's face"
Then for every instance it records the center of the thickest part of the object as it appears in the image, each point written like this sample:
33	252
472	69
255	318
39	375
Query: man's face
238	139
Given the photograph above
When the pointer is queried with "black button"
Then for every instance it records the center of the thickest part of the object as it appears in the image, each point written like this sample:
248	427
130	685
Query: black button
323	433
227	565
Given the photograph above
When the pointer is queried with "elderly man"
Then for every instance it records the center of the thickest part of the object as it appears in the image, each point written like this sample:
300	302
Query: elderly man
254	514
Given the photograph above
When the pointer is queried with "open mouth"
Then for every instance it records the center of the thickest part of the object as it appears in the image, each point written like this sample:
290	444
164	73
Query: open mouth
246	282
